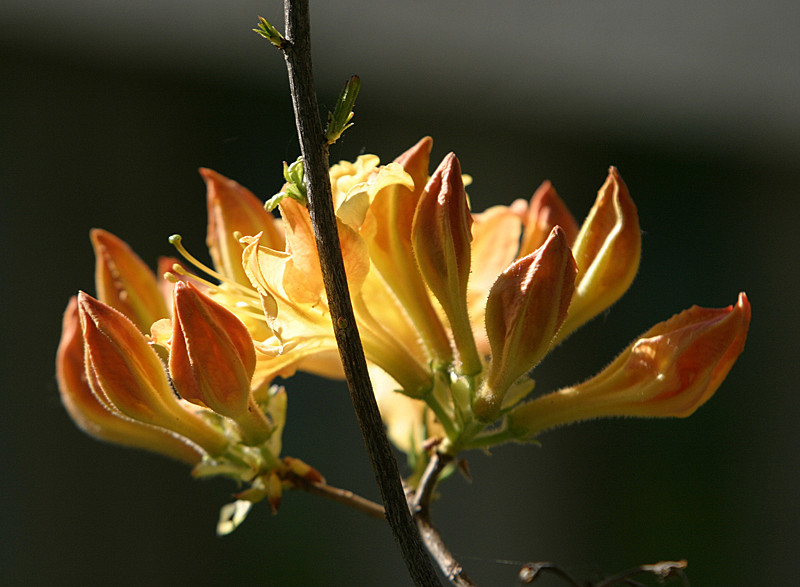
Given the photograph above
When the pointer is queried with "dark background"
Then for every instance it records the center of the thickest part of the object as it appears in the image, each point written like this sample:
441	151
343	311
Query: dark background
106	112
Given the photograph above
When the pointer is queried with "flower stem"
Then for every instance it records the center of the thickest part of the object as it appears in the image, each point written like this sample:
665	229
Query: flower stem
314	147
442	416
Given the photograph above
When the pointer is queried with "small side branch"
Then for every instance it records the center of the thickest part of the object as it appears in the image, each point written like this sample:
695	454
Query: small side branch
662	570
343	496
419	503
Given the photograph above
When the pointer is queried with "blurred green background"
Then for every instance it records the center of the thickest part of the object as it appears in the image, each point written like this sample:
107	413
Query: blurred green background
108	109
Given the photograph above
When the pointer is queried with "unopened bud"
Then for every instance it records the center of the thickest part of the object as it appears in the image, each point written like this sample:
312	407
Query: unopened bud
212	360
233	210
126	375
93	417
441	237
525	308
544	212
670	371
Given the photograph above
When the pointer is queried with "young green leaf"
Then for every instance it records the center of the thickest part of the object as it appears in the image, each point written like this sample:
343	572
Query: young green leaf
339	119
269	32
294	188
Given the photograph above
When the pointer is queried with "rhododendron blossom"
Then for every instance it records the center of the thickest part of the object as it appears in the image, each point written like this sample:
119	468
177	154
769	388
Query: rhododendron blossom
454	308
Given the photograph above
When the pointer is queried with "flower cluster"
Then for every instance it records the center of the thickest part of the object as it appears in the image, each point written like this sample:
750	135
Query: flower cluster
454	309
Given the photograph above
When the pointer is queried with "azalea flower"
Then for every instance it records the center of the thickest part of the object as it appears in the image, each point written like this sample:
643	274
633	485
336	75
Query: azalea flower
454	309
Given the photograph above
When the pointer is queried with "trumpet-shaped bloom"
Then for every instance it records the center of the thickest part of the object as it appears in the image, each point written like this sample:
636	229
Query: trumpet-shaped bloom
293	297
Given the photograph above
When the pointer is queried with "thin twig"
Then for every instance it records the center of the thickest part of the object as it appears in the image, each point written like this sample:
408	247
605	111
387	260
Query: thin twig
662	570
420	503
343	496
423	494
314	148
532	571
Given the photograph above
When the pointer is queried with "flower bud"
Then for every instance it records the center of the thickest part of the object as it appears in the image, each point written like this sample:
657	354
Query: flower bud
93	417
124	282
234	209
388	230
545	211
126	375
212	360
441	236
607	252
670	371
525	308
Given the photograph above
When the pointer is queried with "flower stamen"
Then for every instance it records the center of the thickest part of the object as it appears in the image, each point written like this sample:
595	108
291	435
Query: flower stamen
176	241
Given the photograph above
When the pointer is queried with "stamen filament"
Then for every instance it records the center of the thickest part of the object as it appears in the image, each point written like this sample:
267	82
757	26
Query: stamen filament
176	241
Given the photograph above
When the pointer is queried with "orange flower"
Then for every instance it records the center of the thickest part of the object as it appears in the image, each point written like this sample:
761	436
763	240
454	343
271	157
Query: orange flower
454	309
293	297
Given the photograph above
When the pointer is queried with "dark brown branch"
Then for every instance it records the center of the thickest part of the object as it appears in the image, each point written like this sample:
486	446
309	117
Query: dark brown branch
420	503
315	156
